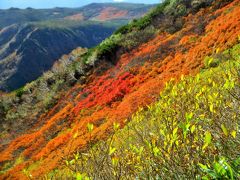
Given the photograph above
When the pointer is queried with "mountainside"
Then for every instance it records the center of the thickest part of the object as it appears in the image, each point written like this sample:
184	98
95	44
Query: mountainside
66	124
35	39
31	50
124	11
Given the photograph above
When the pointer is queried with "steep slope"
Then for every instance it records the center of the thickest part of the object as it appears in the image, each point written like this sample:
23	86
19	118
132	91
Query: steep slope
190	132
114	82
29	49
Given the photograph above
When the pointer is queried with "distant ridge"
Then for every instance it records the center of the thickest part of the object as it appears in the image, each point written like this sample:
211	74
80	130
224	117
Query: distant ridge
31	40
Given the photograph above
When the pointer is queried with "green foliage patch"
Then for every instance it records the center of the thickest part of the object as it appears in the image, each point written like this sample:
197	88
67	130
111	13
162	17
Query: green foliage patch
145	21
19	92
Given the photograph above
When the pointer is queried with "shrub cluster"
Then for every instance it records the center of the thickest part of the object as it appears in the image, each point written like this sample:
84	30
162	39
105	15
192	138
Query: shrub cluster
119	39
40	95
191	132
145	21
127	37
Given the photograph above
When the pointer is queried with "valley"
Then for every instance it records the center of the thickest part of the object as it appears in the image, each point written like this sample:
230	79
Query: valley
32	40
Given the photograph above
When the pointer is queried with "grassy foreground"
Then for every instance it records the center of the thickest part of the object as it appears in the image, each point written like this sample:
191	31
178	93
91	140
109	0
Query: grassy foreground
191	132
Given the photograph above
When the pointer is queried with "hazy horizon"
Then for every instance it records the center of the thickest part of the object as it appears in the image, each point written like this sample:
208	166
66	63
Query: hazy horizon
46	4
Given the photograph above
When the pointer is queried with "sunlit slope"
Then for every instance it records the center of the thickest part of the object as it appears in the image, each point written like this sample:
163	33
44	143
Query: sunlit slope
114	90
190	132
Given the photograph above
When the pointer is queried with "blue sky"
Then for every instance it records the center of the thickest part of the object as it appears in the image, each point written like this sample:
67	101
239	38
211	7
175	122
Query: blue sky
4	4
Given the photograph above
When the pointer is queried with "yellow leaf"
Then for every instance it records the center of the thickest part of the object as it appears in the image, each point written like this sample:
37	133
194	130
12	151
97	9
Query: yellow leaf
204	146
182	77
208	138
202	116
224	129
111	151
79	176
116	126
210	61
115	161
211	108
90	127
75	135
234	134
175	130
193	128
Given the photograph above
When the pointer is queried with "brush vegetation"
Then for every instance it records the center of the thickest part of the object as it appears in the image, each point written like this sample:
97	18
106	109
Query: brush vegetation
103	117
191	132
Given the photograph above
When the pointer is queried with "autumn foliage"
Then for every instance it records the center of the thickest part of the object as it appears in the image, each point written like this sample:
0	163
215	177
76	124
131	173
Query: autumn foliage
111	13
114	95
